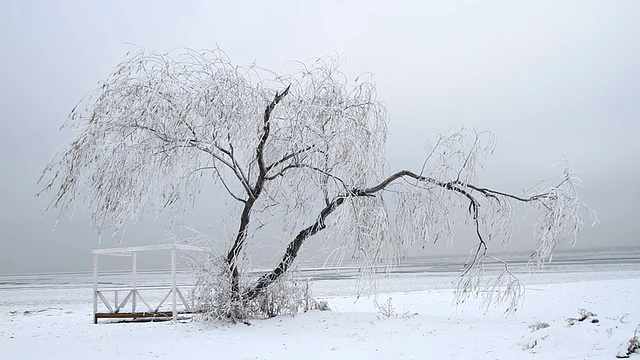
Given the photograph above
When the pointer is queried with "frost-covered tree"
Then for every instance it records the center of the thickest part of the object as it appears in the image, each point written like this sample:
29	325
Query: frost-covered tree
307	149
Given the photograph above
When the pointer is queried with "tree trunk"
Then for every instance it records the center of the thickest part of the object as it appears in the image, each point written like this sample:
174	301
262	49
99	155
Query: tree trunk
232	256
292	251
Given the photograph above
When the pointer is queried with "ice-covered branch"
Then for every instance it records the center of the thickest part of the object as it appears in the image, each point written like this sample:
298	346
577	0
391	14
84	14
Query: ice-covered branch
148	132
265	133
288	157
553	201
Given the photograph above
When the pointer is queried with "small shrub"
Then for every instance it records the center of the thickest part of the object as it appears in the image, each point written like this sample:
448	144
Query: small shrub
385	310
538	325
321	305
584	315
632	346
407	315
287	296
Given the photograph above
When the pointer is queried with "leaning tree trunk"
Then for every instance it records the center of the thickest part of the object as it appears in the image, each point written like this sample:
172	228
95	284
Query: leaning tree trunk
292	251
232	256
456	186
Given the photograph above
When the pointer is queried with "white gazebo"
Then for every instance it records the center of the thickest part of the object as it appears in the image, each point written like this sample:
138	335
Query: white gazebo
117	308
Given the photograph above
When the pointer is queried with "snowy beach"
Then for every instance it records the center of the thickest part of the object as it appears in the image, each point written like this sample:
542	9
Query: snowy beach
319	180
49	316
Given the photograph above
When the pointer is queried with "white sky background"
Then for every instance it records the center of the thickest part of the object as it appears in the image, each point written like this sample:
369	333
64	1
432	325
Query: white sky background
550	78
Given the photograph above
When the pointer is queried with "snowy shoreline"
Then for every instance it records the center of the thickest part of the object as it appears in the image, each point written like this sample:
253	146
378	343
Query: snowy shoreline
54	320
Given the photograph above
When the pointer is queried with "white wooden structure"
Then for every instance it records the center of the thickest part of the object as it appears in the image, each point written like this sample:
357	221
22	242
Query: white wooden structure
133	293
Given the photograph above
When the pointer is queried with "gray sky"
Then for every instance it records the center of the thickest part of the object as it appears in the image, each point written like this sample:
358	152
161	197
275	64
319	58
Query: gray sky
550	78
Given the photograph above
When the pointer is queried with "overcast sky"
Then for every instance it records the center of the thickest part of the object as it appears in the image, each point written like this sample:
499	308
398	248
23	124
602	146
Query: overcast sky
550	78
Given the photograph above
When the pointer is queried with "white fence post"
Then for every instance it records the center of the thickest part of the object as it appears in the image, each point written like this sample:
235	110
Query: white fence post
135	282
173	284
95	288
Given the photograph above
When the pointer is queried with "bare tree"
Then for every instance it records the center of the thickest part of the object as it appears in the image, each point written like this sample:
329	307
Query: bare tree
300	148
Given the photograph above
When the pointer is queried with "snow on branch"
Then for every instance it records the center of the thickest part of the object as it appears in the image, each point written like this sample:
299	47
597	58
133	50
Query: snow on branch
305	149
426	208
163	125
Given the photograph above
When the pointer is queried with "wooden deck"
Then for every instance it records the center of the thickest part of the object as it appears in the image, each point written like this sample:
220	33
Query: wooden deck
147	316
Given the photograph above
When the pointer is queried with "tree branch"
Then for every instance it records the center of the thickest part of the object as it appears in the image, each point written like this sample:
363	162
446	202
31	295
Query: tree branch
239	173
224	184
289	156
300	166
294	246
265	131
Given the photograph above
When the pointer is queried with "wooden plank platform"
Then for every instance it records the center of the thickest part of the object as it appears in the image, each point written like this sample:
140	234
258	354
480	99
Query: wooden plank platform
161	315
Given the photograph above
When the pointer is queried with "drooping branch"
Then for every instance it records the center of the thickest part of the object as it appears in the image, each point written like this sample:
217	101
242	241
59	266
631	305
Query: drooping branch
292	166
230	163
224	183
289	157
465	190
237	170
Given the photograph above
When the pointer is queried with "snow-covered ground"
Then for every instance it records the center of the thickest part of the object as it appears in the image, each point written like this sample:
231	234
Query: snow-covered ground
52	319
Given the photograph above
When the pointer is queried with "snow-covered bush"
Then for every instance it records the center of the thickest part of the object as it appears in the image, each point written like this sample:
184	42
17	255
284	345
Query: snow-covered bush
287	296
538	325
386	310
213	295
212	292
584	315
632	346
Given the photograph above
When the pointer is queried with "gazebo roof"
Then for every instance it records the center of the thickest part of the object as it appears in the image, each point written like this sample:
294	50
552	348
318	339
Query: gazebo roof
130	250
